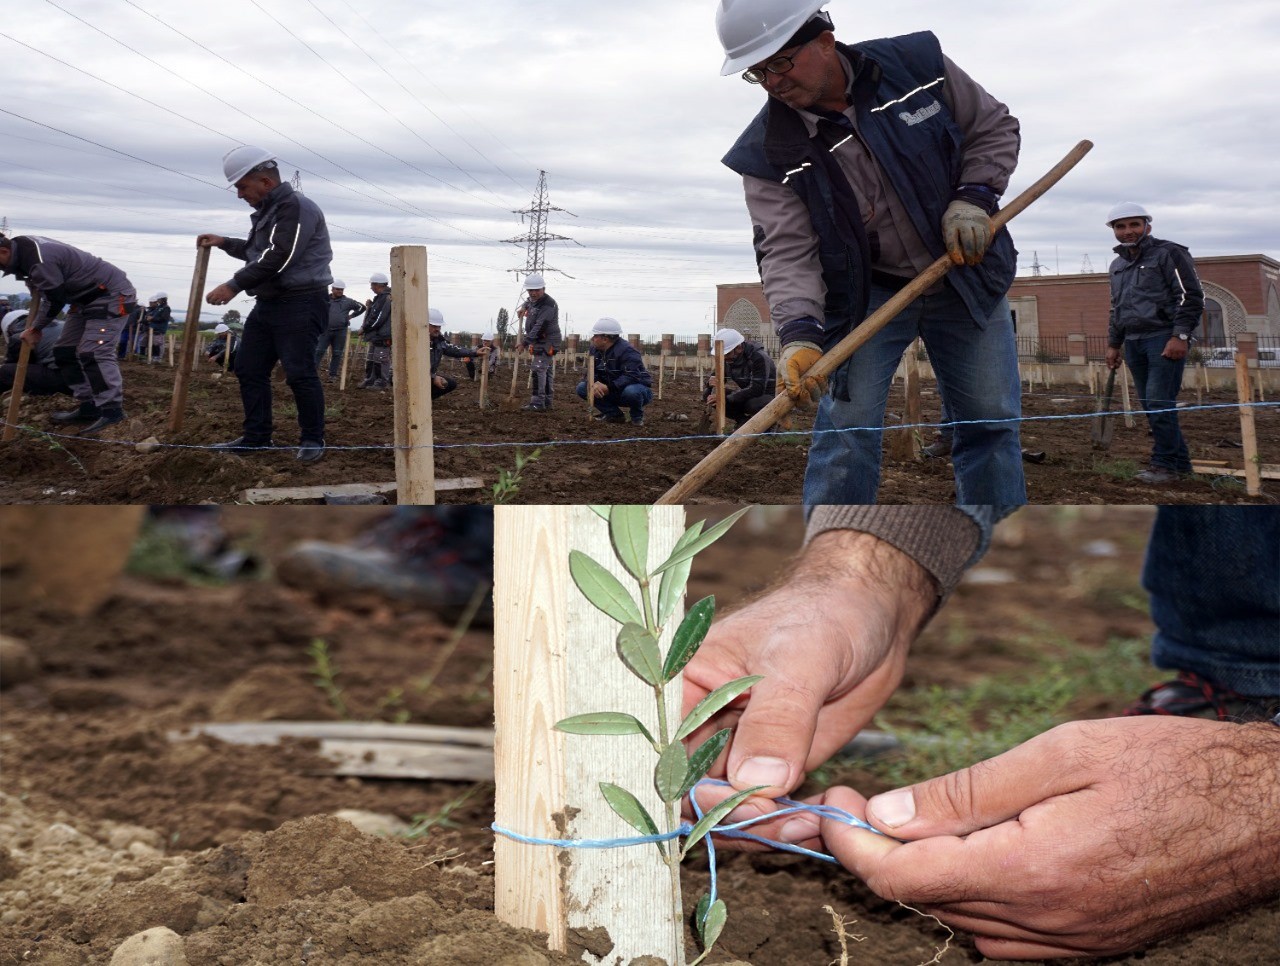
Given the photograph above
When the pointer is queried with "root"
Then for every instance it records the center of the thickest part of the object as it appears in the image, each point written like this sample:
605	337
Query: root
841	928
938	954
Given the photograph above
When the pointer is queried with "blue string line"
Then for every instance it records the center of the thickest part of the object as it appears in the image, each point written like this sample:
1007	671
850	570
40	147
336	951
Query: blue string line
733	831
664	439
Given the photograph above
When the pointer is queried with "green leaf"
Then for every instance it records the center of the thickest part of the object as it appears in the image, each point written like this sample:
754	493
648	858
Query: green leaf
629	531
603	723
700	914
689	636
670	772
603	589
601	511
701	543
714	922
712	818
713	702
628	808
639	652
674	581
703	757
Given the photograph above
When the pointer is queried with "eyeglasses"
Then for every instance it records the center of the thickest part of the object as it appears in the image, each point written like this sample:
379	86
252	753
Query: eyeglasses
778	65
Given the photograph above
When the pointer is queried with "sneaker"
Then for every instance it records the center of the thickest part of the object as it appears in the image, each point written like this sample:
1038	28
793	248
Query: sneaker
241	443
614	418
1192	696
637	420
939	448
108	417
1157	474
533	408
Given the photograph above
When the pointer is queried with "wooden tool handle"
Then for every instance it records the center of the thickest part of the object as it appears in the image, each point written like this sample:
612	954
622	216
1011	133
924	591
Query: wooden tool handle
20	377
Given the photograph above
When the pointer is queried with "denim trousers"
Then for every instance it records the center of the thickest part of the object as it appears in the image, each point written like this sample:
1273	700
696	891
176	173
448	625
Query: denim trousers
283	330
337	338
1159	381
634	396
977	370
1213	573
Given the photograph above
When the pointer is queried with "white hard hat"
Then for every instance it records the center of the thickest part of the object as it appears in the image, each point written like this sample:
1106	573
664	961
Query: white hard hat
607	326
751	30
17	315
159	295
377	278
535	281
220	328
731	338
435	317
238	162
1126	209
488	337
339	283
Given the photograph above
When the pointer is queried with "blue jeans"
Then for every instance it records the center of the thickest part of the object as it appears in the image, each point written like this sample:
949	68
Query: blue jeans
1213	574
977	370
283	330
1158	381
336	338
634	396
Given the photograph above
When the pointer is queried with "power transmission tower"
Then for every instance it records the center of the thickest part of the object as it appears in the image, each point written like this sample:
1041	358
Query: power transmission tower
536	238
1037	269
1086	267
296	180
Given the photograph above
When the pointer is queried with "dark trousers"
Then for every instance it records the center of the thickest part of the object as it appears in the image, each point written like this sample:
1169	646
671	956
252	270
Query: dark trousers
1159	380
40	381
337	338
283	330
449	386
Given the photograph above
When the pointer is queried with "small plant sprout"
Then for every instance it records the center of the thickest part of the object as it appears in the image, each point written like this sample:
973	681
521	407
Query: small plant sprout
508	485
642	622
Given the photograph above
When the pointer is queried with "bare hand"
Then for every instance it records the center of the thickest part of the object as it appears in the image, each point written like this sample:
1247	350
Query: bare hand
209	241
1094	838
1113	357
438	382
31	336
1175	349
221	295
830	641
599	390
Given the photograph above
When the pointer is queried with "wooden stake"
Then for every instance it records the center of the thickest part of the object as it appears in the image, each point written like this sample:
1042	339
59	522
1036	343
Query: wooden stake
906	442
692	481
591	382
554	657
515	361
226	351
150	344
20	375
484	381
411	377
721	418
662	372
1124	395
169	339
177	409
1248	434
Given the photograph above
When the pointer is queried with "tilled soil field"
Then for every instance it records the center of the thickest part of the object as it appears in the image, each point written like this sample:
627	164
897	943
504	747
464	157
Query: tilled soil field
580	460
110	826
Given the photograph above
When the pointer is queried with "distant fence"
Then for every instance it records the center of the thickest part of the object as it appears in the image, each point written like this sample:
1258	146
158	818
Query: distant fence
1209	352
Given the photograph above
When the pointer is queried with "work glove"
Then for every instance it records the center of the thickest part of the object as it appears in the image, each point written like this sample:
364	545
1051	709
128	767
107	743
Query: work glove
966	229
797	359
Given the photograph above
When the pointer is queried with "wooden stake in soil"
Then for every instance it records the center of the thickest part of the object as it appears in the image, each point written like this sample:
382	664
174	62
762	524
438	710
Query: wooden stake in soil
662	372
515	361
177	409
20	375
555	656
1248	435
591	385
484	381
170	339
721	420
1124	395
411	377
711	464
906	442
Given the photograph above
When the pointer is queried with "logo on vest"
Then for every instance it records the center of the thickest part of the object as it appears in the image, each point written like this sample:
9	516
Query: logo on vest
915	117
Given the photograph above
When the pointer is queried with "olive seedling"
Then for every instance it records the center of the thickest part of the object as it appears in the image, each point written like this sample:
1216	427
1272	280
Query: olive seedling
675	771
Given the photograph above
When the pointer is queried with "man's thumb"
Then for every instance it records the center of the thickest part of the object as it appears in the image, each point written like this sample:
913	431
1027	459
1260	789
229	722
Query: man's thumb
773	739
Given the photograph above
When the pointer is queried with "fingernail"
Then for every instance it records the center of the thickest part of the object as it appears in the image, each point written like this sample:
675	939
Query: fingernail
797	830
762	771
893	808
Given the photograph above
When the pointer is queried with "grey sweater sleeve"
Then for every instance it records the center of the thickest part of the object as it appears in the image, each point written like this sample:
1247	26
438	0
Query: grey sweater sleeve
944	540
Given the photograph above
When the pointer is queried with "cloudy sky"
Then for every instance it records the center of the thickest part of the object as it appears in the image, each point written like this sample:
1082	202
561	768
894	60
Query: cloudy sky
423	122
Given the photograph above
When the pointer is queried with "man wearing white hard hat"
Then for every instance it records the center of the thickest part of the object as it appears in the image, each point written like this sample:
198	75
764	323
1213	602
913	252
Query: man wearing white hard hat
621	378
751	369
541	317
223	339
866	164
157	318
491	350
342	309
1156	303
376	332
441	347
43	377
286	256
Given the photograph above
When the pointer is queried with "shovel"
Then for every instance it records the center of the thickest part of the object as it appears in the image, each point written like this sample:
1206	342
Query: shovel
1103	424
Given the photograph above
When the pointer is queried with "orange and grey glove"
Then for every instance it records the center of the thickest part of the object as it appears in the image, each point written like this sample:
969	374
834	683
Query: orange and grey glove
797	359
966	229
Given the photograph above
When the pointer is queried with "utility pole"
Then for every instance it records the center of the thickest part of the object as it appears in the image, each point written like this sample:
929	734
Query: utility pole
536	238
1086	267
296	180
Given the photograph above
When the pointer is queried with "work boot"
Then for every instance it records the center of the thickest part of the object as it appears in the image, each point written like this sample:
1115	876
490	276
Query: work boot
1191	696
368	376
615	418
1157	475
534	408
86	413
940	447
310	452
241	443
637	420
110	415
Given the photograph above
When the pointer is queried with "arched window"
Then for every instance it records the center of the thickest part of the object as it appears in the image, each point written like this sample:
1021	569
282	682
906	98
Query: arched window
1212	330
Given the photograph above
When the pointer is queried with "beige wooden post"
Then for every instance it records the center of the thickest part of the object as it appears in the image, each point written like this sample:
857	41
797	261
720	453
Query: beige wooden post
1124	395
170	338
662	372
591	383
346	360
721	419
20	375
226	349
411	377
151	336
178	406
555	656
484	381
906	442
1248	434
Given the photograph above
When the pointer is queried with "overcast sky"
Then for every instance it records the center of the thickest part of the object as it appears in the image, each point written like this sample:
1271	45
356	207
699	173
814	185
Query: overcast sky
427	123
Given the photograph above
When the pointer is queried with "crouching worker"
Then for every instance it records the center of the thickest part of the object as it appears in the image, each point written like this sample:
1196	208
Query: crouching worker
217	350
43	377
441	347
620	376
751	369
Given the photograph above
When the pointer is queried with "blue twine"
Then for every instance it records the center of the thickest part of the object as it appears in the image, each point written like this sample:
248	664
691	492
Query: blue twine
732	831
667	439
